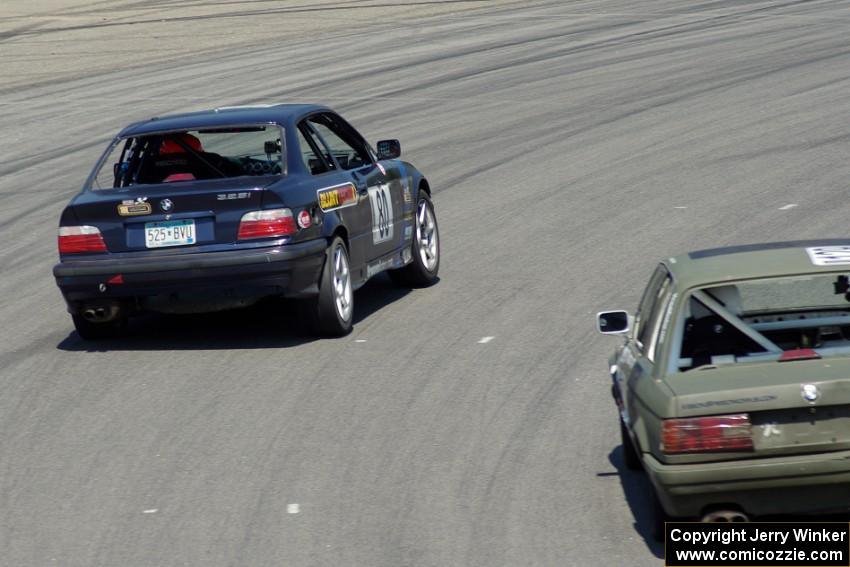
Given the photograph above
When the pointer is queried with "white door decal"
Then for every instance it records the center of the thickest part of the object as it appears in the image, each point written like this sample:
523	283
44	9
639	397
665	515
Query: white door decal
382	213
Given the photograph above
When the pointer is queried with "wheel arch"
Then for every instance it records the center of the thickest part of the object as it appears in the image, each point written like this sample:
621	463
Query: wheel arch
341	231
333	227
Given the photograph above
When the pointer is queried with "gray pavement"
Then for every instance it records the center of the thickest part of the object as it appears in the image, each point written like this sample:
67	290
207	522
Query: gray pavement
570	146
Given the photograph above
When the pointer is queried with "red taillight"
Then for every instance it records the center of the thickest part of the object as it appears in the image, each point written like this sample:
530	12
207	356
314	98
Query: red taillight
706	434
264	224
74	239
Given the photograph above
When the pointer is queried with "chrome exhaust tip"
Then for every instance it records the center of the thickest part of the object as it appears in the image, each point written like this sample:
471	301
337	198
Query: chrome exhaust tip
101	313
725	516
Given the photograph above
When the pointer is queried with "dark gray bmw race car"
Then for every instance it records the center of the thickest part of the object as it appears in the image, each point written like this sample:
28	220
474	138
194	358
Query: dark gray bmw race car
218	209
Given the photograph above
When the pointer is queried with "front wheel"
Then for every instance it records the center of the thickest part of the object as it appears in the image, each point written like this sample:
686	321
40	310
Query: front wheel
425	248
331	312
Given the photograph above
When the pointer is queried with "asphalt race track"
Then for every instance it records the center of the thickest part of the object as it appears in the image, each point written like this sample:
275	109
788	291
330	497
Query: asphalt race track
570	145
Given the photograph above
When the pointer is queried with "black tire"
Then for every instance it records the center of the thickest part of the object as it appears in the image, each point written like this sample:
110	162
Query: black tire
631	458
99	331
657	517
325	315
421	272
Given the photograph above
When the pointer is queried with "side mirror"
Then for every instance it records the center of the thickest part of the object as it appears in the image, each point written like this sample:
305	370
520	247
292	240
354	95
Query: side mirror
389	149
612	322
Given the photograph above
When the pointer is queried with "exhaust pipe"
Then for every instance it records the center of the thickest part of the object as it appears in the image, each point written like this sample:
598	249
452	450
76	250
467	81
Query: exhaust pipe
101	313
725	516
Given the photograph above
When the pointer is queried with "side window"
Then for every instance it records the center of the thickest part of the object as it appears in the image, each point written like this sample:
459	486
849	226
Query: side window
660	318
348	150
646	301
314	163
114	172
651	310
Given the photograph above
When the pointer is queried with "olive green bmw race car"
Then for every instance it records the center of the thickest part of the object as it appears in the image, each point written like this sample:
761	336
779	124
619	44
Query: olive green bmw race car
733	384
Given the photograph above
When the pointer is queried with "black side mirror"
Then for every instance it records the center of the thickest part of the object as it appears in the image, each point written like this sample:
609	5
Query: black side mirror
612	322
389	149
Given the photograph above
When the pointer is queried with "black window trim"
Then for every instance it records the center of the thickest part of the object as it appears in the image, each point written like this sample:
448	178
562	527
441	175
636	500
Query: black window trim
640	316
341	122
308	132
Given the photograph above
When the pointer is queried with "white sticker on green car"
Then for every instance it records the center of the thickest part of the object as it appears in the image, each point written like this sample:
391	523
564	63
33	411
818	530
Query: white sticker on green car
829	255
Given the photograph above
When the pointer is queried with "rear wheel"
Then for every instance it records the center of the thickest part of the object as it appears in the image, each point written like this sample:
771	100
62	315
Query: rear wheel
630	455
425	248
98	331
658	516
331	312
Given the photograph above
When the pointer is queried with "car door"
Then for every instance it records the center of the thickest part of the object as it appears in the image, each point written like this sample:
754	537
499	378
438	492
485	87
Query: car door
637	358
348	149
328	178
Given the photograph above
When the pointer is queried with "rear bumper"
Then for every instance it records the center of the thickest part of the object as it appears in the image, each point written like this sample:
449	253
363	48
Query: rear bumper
800	484
288	269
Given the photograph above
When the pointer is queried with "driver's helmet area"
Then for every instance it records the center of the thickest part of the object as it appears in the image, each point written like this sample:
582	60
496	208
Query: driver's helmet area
171	146
176	166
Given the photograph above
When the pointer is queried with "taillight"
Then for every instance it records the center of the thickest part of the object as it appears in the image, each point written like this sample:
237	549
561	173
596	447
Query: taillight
706	434
74	239
264	224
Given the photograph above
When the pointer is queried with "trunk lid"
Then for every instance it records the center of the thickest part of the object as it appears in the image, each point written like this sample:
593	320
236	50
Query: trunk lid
171	215
784	421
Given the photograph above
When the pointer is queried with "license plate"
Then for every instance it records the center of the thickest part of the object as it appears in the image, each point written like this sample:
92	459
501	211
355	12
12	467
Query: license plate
169	233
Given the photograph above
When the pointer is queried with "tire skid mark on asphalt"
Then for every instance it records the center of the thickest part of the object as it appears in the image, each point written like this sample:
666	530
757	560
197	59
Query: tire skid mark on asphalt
84	80
802	146
468	51
226	54
547	135
517	447
538	57
20	164
15	357
227	15
16	32
31	161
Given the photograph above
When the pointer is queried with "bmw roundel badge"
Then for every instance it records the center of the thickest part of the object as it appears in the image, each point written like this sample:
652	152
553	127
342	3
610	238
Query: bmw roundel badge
166	205
809	392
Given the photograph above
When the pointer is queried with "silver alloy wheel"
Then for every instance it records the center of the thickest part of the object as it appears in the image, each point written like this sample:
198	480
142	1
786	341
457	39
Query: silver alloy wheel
426	236
342	284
